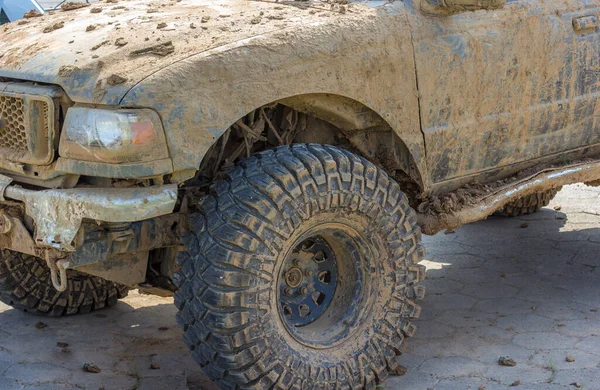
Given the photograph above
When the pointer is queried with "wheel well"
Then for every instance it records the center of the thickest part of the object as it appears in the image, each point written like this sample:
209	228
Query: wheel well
315	118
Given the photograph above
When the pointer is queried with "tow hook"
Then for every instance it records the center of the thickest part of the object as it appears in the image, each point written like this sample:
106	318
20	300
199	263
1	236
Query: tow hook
58	273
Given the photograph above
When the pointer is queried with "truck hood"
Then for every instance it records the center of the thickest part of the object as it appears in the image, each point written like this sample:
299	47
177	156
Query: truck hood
99	52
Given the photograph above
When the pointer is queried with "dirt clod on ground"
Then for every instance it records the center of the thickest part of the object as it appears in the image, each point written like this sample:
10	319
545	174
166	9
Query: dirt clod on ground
96	10
503	361
515	383
70	6
570	359
62	345
92	368
161	26
40	325
155	366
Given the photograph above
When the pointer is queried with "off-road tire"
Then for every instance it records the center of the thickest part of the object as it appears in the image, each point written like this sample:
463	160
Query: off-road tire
227	282
25	285
529	204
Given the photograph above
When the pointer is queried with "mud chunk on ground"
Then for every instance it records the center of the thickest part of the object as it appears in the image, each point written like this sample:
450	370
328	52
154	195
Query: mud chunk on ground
70	5
255	20
161	26
205	19
91	27
40	325
504	361
32	14
91	368
67	70
115	80
96	10
160	50
53	27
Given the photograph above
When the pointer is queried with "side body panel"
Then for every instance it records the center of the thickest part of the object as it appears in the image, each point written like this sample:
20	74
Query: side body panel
366	57
503	87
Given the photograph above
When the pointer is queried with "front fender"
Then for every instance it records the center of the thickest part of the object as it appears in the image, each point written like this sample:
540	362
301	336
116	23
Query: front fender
366	57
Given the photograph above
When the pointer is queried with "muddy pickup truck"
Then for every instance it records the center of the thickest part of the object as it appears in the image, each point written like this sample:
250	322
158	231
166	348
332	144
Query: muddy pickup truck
272	164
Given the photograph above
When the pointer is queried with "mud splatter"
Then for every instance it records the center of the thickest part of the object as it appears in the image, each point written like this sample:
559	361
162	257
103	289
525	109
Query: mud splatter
67	70
115	80
32	14
161	50
98	46
53	27
70	6
121	42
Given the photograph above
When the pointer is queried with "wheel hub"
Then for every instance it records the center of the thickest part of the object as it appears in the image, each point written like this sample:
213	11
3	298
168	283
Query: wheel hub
308	282
293	277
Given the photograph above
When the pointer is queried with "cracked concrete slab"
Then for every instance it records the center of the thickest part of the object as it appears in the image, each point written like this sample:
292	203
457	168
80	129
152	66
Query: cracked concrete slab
494	290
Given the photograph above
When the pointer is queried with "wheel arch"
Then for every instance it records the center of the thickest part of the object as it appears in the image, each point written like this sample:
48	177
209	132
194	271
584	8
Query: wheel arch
362	128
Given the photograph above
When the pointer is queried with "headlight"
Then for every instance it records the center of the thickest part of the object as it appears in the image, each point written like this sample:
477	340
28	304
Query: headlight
113	136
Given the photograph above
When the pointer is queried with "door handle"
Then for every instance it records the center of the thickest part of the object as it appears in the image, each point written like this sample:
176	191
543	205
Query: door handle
584	23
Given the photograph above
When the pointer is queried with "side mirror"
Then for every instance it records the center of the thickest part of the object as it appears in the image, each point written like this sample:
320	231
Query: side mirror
454	6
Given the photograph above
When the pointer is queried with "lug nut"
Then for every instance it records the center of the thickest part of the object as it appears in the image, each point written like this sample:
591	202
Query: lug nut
287	291
309	272
304	290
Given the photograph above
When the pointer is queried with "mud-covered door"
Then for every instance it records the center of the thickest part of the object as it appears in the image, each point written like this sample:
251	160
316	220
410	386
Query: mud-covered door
498	87
586	111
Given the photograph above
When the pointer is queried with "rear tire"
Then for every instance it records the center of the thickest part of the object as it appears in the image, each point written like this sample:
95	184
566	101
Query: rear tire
529	204
25	285
261	246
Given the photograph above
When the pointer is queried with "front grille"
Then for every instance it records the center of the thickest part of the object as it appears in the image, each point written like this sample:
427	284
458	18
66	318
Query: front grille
28	119
12	124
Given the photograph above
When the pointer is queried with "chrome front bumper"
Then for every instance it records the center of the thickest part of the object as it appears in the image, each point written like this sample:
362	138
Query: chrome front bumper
58	214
